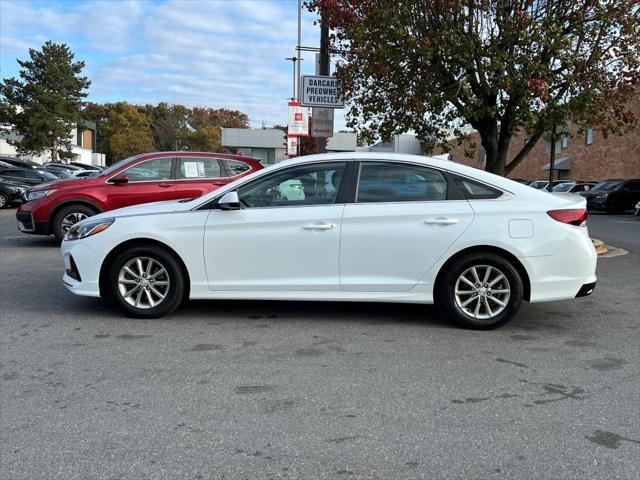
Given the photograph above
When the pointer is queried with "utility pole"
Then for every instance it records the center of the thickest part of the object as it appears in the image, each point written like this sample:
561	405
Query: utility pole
294	60
297	86
553	155
324	67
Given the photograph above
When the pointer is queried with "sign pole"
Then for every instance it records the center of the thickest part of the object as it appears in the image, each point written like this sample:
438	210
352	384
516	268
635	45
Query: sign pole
299	60
324	67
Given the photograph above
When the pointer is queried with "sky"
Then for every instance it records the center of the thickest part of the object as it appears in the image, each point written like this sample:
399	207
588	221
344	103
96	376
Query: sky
209	53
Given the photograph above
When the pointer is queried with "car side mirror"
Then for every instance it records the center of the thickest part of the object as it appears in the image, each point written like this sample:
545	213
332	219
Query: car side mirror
120	179
229	201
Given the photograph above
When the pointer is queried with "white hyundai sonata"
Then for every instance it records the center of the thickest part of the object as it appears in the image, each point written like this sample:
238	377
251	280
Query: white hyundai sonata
343	227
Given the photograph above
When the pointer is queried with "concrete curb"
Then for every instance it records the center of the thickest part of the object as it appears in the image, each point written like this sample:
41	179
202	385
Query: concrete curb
601	248
607	251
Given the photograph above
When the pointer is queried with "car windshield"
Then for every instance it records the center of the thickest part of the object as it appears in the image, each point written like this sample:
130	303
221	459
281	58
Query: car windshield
116	166
563	187
48	175
538	184
606	186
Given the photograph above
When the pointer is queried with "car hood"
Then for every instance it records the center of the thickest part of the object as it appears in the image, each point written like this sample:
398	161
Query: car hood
167	206
60	184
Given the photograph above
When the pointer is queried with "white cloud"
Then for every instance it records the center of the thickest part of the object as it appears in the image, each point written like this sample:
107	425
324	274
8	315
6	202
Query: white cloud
204	53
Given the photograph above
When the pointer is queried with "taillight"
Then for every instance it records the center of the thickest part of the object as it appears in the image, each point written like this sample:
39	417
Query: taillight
572	216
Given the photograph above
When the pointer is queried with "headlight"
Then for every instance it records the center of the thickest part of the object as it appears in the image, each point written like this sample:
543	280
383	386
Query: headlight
601	196
29	196
89	227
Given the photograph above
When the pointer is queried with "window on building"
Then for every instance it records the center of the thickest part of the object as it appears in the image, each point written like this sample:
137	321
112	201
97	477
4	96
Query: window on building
589	136
398	182
481	154
564	141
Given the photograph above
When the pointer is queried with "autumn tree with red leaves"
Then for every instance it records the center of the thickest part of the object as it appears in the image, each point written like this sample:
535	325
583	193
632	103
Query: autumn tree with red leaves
436	67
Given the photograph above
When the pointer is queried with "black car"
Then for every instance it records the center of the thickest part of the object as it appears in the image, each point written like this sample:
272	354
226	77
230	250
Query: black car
86	167
613	196
26	175
59	173
10	192
17	162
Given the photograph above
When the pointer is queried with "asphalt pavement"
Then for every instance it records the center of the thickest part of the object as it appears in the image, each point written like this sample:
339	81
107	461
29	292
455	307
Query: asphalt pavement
315	390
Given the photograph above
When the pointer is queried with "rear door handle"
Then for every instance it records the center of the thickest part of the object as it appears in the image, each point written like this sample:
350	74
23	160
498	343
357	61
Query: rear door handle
319	226
441	221
165	185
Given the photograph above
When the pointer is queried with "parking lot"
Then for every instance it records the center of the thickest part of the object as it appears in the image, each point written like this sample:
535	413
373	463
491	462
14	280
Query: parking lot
316	390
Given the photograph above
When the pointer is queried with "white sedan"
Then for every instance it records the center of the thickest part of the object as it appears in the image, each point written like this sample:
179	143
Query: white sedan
366	227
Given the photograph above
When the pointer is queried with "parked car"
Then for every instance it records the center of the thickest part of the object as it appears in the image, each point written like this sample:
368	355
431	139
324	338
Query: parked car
59	173
613	196
383	228
86	166
20	163
70	170
148	177
543	184
86	173
574	187
27	175
10	192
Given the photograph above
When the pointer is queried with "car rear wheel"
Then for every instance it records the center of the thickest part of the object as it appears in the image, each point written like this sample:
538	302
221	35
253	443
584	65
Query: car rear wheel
146	282
68	217
481	291
4	200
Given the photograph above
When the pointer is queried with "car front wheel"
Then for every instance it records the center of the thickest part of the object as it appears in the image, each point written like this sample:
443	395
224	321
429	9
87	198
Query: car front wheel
4	200
146	282
68	217
481	291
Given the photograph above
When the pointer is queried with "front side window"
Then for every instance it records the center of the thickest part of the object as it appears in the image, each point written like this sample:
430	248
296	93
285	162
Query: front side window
235	167
315	184
398	182
157	170
198	168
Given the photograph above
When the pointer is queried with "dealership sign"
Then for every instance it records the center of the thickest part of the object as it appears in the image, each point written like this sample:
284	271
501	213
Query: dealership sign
322	122
321	91
292	146
298	120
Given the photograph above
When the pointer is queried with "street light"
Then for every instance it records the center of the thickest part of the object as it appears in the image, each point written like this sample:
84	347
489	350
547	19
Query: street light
294	60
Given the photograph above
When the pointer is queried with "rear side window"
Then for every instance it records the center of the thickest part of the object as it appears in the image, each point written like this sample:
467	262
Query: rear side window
15	173
632	185
199	168
472	190
235	167
399	182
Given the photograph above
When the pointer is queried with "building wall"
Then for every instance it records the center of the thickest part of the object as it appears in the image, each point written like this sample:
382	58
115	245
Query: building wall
611	157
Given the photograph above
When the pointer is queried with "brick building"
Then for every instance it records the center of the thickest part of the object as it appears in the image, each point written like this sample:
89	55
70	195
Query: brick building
586	157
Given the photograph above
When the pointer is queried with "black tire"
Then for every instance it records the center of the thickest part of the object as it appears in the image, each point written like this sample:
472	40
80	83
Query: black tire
69	211
446	291
4	200
174	276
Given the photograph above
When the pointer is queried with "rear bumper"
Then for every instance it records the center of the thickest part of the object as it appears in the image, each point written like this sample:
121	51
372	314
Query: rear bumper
586	289
569	272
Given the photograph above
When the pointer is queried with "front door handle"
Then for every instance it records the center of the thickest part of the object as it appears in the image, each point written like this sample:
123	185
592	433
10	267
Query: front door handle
319	226
165	185
441	221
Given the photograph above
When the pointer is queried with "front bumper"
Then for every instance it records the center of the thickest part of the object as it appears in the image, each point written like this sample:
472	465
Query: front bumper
28	222
82	268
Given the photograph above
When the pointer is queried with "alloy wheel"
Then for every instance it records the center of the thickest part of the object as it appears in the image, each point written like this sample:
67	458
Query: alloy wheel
70	220
482	292
3	201
143	282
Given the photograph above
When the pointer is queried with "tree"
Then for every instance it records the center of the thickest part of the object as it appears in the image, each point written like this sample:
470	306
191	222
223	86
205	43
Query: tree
168	125
221	117
204	139
499	66
43	106
127	132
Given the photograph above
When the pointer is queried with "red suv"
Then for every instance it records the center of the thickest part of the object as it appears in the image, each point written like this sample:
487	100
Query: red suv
52	208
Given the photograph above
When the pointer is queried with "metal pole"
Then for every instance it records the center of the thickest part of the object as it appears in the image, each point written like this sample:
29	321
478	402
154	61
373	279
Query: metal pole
324	67
293	93
297	88
553	155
